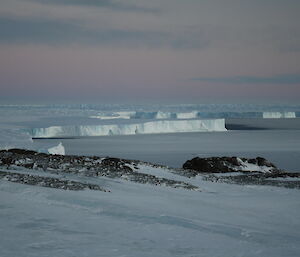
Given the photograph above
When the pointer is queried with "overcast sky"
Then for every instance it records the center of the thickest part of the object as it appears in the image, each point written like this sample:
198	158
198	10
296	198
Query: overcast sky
154	51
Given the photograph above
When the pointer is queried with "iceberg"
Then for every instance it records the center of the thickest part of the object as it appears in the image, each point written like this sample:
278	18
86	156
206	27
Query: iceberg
116	115
187	115
278	115
159	115
152	115
152	127
59	149
165	115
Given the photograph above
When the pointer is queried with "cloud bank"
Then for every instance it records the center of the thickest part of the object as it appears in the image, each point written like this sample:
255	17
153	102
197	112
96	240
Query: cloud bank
204	50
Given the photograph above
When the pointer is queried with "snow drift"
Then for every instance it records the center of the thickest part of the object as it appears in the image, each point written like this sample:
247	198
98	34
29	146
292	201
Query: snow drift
153	127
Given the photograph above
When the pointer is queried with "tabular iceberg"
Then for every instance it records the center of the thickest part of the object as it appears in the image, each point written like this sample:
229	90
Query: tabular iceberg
153	127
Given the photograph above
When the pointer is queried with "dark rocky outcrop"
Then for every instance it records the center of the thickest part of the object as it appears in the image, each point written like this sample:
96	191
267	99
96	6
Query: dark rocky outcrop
235	170
279	179
89	166
116	164
51	182
226	164
39	169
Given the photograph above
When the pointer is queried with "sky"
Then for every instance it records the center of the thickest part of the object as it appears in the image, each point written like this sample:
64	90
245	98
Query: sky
198	51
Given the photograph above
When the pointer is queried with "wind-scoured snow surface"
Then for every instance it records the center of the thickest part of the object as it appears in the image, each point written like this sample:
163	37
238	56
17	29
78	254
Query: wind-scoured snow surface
153	127
147	220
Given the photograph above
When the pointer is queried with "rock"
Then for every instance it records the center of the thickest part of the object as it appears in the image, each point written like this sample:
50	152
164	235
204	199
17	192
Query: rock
7	161
79	165
263	162
229	164
21	151
48	181
283	179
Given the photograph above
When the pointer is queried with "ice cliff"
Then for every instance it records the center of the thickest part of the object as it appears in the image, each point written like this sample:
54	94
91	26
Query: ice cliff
153	127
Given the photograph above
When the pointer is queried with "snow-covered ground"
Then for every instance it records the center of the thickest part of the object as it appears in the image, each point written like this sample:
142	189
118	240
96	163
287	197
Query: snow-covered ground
146	220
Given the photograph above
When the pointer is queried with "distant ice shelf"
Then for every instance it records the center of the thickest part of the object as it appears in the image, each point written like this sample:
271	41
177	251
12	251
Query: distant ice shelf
159	115
278	115
152	127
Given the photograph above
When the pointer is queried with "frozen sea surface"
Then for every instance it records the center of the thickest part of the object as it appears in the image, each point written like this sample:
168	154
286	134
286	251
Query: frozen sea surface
276	139
279	146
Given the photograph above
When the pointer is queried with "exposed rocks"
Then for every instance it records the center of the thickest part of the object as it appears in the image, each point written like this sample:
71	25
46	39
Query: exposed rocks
243	171
228	164
30	179
280	179
19	151
85	166
257	171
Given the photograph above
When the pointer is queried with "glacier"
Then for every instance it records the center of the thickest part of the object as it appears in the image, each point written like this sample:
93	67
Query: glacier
152	127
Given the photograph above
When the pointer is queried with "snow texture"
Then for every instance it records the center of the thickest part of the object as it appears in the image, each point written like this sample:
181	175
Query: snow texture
145	220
